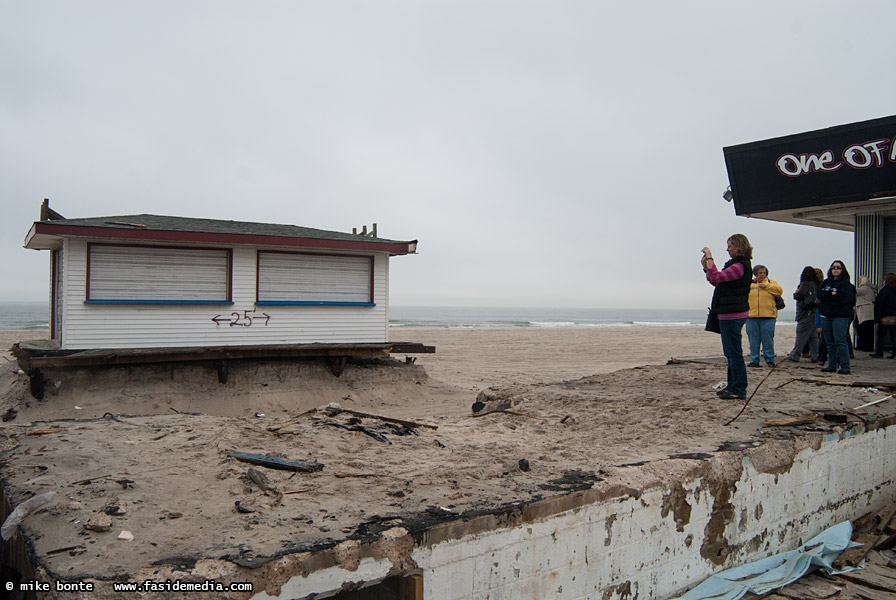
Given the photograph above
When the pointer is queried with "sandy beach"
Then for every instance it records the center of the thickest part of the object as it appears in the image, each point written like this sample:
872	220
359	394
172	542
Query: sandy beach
466	361
479	358
590	406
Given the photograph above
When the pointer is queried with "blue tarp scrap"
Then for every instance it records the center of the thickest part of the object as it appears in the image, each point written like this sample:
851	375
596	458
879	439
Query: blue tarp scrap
776	571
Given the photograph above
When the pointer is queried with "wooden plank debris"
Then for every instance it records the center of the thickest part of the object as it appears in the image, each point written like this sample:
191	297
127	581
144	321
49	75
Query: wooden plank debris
854	383
411	348
275	462
332	411
873	402
853	557
874	576
870	531
482	408
377	432
45	431
79	549
39	357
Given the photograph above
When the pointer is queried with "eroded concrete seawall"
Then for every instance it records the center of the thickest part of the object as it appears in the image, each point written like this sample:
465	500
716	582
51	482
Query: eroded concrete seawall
653	540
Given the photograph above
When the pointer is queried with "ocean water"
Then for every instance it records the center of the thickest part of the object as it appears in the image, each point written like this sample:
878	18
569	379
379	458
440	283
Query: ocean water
35	315
24	315
451	316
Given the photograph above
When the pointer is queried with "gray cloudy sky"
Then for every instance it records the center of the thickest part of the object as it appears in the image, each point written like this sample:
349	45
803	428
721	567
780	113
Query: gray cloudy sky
555	153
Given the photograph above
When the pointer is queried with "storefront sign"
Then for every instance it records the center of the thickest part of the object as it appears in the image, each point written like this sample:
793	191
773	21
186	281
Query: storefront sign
849	163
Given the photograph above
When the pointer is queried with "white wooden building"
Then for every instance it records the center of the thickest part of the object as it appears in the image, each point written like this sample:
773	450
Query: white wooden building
150	281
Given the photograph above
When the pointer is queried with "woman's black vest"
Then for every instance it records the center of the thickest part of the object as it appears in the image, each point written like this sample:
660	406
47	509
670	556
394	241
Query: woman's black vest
734	296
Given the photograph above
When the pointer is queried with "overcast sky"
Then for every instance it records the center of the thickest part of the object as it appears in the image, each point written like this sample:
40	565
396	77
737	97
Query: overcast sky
555	153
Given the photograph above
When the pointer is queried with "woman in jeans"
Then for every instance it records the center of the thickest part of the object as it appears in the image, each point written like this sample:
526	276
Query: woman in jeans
763	315
730	301
836	302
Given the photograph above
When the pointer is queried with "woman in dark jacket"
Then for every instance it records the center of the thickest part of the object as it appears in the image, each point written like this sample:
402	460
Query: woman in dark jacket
884	315
730	301
805	316
836	302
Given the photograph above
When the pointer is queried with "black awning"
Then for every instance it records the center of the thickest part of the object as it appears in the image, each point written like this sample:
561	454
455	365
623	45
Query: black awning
843	164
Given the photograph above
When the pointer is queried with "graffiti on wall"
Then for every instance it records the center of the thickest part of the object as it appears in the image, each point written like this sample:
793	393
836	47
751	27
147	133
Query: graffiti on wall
246	318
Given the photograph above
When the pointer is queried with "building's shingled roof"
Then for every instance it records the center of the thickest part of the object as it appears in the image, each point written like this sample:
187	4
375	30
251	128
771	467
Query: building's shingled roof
189	224
48	233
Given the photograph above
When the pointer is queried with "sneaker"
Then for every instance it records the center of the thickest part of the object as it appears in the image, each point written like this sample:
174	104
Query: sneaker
753	364
725	391
821	363
771	363
729	395
828	370
793	359
844	371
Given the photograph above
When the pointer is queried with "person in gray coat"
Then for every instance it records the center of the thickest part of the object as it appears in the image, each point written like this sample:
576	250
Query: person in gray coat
805	316
866	292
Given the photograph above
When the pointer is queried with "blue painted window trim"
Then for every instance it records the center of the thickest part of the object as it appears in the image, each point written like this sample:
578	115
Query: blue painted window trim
101	301
309	303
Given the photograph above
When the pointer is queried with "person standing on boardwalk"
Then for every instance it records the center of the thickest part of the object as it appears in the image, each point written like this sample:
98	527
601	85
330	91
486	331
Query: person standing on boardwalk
763	314
885	316
866	292
730	301
805	316
836	304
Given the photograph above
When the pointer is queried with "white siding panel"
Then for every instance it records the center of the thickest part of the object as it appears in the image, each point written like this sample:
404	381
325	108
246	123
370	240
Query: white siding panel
157	273
153	326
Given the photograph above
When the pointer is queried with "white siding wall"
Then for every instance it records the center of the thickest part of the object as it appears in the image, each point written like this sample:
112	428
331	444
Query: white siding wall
149	326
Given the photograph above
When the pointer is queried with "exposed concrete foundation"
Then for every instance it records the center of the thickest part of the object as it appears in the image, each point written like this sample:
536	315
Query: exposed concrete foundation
652	541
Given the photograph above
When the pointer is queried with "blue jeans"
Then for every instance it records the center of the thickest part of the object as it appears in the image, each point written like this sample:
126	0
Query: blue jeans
836	335
761	331
732	348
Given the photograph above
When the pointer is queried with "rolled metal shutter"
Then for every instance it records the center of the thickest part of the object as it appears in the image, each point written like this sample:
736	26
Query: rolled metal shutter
160	274
314	278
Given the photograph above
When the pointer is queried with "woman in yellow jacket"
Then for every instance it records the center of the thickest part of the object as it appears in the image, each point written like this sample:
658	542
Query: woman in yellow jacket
763	314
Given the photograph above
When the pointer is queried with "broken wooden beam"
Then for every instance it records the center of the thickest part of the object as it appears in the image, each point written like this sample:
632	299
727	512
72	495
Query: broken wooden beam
275	462
873	402
333	411
860	383
853	557
411	348
36	357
